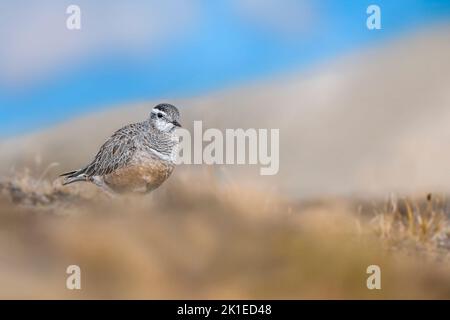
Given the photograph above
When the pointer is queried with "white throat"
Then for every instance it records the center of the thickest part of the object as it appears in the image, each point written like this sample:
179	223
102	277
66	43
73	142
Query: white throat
163	125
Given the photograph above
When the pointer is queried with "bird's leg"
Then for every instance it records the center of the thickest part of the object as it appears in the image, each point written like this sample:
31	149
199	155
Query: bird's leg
99	182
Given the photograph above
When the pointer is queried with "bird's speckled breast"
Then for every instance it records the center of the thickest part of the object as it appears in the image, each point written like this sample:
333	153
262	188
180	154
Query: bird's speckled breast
144	173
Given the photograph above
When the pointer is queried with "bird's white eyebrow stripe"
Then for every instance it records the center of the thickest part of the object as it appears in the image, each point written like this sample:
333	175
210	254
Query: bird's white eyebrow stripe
156	111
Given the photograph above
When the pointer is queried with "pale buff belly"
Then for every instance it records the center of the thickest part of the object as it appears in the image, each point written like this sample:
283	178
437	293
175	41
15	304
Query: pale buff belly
139	176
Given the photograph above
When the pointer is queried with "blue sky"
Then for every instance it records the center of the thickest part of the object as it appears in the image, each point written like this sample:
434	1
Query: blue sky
140	52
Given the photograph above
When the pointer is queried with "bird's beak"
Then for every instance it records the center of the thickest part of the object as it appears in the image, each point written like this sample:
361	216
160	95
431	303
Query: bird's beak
176	123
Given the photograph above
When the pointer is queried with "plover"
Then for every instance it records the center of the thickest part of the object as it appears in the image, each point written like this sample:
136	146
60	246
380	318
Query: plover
136	158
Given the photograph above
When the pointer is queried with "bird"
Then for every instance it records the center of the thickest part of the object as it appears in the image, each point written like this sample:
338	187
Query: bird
137	158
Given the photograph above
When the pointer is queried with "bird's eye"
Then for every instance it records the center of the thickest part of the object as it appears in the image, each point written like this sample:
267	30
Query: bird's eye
160	115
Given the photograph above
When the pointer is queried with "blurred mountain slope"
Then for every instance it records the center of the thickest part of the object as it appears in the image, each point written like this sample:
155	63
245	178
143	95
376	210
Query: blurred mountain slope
369	123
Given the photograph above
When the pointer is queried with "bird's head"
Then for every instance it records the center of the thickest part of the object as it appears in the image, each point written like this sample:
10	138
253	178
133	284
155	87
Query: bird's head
164	117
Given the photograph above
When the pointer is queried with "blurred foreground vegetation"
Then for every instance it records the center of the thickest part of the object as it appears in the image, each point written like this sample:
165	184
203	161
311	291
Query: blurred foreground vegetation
215	240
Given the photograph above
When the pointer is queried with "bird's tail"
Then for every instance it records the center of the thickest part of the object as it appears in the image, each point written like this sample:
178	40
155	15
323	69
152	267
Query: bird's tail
74	176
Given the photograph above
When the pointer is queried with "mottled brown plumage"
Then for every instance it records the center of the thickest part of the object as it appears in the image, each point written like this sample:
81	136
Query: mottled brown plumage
136	158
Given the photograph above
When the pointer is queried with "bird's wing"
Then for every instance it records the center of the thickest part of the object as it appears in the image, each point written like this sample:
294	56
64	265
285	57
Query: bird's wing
115	153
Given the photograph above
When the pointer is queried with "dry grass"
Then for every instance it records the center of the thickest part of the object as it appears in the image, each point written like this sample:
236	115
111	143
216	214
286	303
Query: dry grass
214	240
411	224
